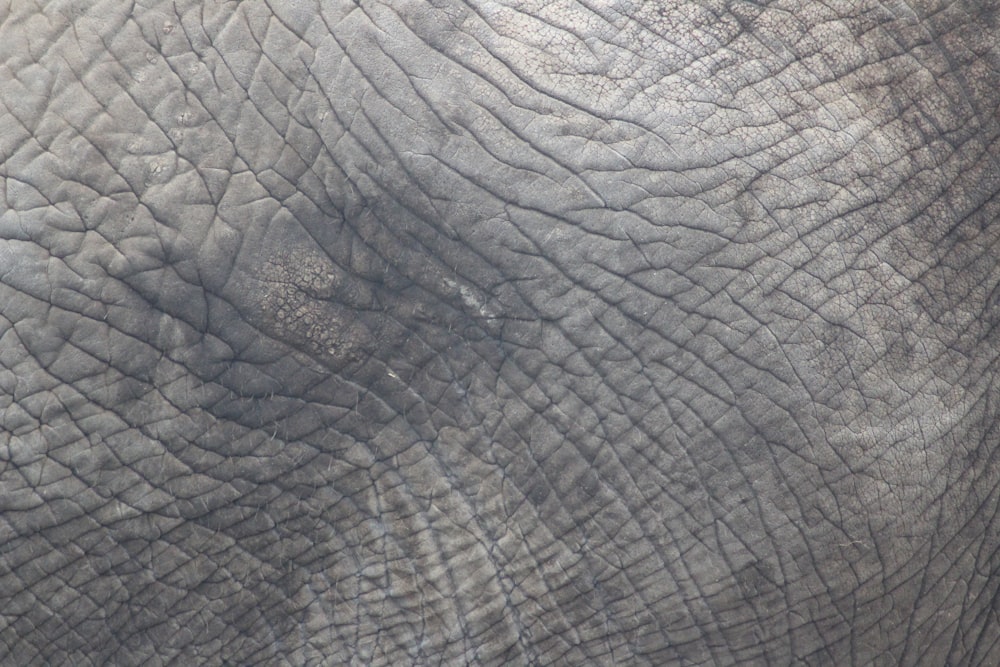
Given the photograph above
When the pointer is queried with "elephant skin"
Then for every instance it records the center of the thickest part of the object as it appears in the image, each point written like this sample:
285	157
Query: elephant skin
489	333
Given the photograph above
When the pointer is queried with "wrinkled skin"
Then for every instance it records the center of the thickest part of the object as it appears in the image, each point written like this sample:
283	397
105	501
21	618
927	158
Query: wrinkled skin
439	333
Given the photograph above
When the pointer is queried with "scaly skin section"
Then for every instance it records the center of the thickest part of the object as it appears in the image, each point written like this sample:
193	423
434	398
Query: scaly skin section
541	333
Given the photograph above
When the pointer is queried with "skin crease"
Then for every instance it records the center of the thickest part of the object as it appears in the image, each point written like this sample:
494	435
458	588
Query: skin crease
653	333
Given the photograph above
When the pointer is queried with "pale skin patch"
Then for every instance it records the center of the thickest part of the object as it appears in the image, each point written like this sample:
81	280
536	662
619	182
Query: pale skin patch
306	299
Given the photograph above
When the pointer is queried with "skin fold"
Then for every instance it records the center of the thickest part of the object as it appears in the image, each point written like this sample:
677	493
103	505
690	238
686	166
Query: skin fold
489	333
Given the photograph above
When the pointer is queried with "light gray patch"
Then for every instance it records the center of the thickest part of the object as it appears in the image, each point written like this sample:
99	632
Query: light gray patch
304	299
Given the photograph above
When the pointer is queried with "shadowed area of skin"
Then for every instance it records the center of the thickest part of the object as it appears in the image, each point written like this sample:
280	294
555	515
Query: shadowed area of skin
527	333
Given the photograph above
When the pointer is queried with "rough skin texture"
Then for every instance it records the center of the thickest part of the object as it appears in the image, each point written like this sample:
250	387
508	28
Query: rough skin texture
442	333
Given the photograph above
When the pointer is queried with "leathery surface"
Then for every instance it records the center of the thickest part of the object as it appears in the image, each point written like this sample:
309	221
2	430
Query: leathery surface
499	333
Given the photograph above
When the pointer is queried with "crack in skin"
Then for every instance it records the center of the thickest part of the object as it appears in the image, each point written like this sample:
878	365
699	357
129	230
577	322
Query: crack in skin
499	333
311	306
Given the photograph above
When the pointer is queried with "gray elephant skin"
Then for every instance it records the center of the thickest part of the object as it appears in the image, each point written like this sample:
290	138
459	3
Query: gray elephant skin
539	332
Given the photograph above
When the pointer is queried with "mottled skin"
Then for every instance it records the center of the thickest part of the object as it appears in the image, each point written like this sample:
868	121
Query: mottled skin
582	333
